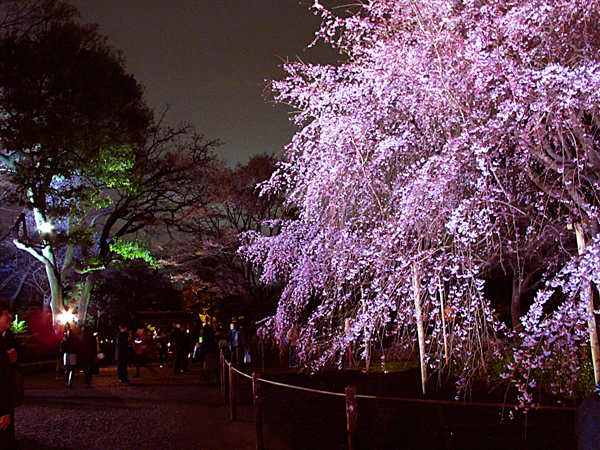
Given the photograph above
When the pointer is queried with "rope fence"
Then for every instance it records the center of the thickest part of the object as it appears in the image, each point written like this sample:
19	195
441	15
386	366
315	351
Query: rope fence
229	390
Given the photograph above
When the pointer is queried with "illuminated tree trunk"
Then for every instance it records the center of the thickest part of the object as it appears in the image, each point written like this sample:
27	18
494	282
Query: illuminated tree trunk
47	258
420	329
56	303
443	314
367	339
587	289
84	300
515	302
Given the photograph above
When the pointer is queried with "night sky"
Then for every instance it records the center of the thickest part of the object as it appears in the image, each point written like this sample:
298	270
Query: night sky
209	59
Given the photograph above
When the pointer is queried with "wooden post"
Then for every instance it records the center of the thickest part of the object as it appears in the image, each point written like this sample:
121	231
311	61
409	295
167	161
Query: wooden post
232	394
260	444
420	328
351	414
224	378
587	288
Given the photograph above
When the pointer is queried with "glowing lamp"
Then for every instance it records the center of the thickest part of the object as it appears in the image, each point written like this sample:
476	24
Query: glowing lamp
66	316
45	227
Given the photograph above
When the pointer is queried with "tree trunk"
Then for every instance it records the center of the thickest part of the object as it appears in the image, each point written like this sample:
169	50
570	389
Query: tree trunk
443	315
56	302
515	303
587	289
367	338
84	300
420	328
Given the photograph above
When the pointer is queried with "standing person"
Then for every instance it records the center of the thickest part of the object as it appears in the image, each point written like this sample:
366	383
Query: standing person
162	341
186	348
140	347
8	356
122	353
177	342
237	346
292	336
68	347
211	354
88	354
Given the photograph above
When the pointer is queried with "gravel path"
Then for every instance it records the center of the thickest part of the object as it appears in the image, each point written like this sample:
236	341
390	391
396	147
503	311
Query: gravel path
159	410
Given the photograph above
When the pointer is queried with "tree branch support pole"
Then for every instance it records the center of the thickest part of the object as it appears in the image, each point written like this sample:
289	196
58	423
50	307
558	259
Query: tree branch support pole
592	329
367	338
351	414
232	394
258	422
443	314
420	329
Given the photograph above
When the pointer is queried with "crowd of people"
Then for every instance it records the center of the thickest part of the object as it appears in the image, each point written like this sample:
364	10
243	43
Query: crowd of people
79	348
200	345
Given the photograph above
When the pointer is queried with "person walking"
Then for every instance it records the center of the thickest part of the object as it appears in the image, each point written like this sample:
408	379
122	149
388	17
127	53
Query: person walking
140	347
8	356
88	354
122	353
68	347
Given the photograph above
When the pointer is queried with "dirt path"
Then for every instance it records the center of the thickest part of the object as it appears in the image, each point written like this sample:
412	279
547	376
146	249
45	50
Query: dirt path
167	411
159	410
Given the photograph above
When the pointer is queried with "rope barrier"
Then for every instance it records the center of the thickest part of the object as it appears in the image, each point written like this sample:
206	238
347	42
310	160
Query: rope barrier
410	400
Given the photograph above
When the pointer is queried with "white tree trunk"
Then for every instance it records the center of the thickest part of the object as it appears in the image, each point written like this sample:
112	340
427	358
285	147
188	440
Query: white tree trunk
56	303
367	338
84	300
587	288
443	314
420	329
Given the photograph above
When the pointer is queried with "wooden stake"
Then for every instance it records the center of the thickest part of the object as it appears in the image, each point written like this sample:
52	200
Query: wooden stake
260	444
223	375
232	394
351	414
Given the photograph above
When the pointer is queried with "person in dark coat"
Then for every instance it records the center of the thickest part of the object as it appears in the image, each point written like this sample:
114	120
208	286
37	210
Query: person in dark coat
186	348
122	353
8	356
162	341
587	428
88	354
211	354
179	346
237	346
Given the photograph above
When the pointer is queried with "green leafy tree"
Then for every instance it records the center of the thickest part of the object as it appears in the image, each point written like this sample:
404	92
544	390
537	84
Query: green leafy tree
67	107
94	176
